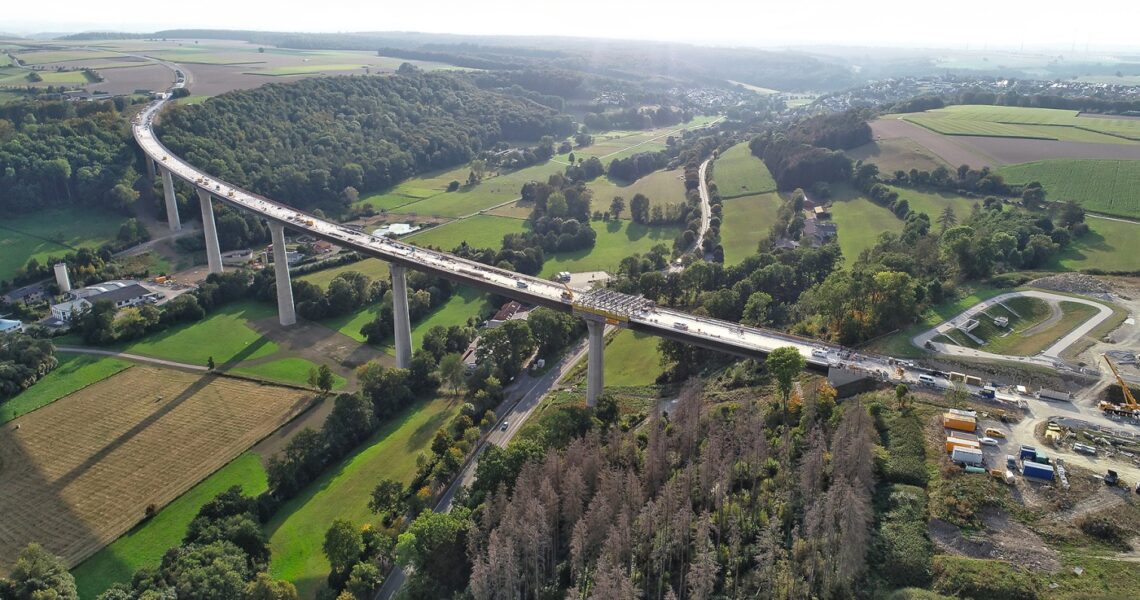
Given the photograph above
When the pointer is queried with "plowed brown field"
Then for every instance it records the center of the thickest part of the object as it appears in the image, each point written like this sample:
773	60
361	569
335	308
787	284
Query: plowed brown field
81	471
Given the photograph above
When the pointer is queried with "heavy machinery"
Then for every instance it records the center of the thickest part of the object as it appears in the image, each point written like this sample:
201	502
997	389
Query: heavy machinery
1128	408
567	294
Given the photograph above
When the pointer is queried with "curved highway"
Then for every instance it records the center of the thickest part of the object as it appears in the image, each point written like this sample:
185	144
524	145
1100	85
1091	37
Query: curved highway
669	323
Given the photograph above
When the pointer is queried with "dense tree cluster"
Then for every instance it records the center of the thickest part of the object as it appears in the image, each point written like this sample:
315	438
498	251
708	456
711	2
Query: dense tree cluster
637	166
304	143
835	131
23	361
425	293
223	555
795	164
65	153
38	574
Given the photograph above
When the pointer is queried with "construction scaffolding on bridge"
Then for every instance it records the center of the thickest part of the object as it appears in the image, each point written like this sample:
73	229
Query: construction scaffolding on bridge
610	307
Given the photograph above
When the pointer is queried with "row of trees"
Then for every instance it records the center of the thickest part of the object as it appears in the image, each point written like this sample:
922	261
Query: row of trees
23	361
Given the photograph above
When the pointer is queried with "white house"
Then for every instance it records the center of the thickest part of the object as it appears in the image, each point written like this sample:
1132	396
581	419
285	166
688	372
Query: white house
10	326
119	293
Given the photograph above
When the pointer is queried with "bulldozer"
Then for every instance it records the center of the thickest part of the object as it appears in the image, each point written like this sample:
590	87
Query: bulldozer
1128	408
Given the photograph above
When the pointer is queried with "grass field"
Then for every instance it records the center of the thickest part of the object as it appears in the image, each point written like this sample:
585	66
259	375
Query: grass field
286	370
224	335
52	233
616	240
933	203
144	545
860	223
1035	333
1111	187
75	371
297	531
141	437
897	154
1109	246
43	57
1033	123
632	359
738	173
746	221
374	268
435	200
480	231
661	187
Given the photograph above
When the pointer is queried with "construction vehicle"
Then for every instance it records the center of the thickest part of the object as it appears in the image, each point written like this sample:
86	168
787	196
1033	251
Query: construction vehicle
1128	408
567	294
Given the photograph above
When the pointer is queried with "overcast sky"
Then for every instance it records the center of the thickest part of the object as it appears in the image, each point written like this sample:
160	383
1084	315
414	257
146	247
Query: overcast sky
954	24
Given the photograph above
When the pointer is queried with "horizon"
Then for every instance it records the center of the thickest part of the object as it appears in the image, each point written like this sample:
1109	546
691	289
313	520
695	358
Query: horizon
888	24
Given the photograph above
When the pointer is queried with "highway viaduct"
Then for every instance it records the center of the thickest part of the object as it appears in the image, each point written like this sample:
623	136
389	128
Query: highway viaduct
597	307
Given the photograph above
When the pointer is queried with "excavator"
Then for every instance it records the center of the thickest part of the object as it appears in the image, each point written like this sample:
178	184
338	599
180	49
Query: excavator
1128	408
567	294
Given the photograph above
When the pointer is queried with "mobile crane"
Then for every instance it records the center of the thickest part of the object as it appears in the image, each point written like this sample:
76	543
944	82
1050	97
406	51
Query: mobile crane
1128	408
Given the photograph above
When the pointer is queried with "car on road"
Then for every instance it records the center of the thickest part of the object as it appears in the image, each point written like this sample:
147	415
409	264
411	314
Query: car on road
819	352
504	426
520	284
987	441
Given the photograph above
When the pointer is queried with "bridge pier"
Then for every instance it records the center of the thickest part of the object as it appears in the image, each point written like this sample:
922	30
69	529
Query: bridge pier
595	380
149	167
285	311
403	324
213	249
172	218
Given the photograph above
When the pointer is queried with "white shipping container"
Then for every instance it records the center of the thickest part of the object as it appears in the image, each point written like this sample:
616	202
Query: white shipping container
967	456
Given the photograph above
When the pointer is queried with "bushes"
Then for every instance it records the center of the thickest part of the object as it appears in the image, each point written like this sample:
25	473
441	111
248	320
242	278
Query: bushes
1101	528
907	462
903	548
982	579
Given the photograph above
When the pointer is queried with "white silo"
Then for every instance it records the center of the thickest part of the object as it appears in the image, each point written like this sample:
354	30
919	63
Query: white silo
61	278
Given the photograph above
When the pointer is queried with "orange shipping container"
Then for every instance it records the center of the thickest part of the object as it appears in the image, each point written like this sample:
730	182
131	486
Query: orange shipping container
959	422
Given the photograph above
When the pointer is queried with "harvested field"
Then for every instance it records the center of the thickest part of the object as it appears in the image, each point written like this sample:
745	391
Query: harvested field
125	81
955	151
1013	150
139	438
899	154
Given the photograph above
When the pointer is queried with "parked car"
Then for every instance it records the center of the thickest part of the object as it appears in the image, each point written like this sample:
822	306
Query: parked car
987	441
994	432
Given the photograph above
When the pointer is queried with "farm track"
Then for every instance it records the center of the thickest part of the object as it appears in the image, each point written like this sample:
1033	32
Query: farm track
80	472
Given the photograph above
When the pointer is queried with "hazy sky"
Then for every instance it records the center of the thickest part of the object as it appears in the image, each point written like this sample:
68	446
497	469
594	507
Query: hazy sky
954	24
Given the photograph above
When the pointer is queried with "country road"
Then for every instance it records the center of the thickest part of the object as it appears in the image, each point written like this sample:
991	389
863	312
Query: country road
706	206
523	397
131	357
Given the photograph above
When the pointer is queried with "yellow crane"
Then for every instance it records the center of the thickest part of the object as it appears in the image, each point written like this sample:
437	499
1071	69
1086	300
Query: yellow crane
1128	408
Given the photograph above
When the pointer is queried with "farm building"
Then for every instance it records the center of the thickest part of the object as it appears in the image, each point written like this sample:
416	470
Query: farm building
119	293
510	310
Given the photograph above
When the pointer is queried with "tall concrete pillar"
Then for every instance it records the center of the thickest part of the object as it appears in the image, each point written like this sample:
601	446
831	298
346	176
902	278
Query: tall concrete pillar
595	379
285	313
400	312
149	167
172	218
213	249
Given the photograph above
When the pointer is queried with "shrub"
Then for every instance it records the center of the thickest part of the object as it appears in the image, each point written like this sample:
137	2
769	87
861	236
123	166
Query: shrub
907	462
1102	529
905	553
982	579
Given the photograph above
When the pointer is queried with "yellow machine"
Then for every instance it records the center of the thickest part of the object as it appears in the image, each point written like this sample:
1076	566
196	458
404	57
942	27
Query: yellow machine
567	295
1129	408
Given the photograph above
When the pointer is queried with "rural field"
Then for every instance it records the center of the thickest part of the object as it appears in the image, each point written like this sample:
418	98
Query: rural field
479	231
898	154
934	202
75	372
225	335
144	545
1033	123
632	359
1111	187
124	452
860	223
747	220
661	187
297	531
52	233
374	268
737	173
1110	245
616	240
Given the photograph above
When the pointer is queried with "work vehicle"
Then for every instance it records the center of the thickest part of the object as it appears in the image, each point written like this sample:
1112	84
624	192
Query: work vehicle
926	380
819	352
1128	408
681	326
987	392
1111	477
994	432
1054	395
1010	461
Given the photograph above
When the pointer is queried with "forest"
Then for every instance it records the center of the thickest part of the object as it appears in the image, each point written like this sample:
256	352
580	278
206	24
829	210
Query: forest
307	143
62	153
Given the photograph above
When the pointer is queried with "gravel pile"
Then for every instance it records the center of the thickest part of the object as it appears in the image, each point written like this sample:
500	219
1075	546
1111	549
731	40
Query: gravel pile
1074	283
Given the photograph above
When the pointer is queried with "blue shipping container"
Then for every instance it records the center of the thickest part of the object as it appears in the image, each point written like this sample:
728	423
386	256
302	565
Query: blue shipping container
1037	470
1028	452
